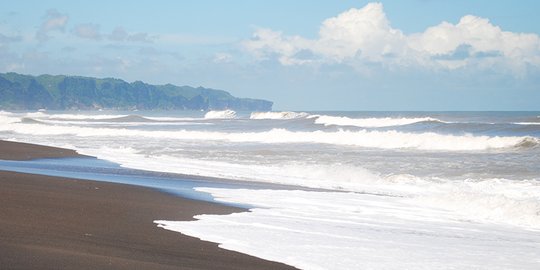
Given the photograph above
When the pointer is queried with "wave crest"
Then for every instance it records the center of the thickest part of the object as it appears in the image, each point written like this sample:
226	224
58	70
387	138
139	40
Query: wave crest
278	115
82	117
362	138
528	142
369	122
226	114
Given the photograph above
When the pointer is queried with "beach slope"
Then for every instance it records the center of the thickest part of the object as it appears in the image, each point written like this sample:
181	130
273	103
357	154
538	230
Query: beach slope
59	223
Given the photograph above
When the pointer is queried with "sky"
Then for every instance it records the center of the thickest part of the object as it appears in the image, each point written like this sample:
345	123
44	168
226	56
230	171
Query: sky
304	55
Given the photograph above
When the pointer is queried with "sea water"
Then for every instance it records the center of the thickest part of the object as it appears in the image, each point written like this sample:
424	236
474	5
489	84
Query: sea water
395	190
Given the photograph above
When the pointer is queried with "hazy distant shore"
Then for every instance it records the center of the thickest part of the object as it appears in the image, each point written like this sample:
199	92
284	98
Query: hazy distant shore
60	223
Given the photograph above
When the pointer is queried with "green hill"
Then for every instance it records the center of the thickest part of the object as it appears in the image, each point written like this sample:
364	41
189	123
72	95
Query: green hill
26	92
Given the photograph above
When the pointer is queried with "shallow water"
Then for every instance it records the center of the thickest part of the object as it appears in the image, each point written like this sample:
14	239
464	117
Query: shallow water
101	170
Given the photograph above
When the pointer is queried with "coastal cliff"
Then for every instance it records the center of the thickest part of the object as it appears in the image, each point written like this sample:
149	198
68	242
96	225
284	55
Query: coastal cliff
26	92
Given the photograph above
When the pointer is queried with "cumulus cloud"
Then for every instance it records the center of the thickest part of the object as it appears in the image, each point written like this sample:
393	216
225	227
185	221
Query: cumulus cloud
360	33
53	21
482	40
87	31
365	36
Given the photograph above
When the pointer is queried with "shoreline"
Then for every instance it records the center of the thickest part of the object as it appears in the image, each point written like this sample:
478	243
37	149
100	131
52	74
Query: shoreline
62	223
59	153
27	151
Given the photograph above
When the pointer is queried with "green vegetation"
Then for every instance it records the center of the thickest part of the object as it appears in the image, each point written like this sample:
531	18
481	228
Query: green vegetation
26	92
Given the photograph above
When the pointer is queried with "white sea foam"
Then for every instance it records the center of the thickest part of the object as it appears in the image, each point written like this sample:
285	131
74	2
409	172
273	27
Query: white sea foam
278	115
117	122
342	177
362	138
359	231
8	119
171	119
368	122
42	115
515	202
527	123
226	114
6	113
91	118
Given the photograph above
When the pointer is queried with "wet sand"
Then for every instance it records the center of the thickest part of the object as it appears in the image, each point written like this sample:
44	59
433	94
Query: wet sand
59	223
25	151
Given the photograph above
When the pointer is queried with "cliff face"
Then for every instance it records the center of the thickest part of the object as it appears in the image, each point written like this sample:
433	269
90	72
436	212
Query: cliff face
25	92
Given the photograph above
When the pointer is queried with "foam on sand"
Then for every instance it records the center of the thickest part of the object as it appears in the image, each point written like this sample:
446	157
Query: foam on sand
359	231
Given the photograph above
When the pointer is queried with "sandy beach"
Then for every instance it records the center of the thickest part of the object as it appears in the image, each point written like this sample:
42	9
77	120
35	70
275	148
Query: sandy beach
59	223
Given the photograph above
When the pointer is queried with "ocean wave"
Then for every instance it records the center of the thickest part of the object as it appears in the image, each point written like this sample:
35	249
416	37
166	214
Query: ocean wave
129	118
171	119
496	200
528	142
40	115
362	138
369	122
28	120
278	115
82	119
226	114
527	123
119	119
7	118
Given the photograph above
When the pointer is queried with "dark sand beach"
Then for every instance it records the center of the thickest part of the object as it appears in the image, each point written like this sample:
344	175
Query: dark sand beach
59	223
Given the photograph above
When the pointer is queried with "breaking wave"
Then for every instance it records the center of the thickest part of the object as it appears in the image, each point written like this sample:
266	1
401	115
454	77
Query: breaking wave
28	120
369	122
362	138
500	200
81	117
130	118
527	123
278	115
103	118
227	114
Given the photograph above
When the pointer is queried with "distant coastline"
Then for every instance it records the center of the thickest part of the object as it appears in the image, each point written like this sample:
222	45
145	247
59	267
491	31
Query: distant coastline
59	92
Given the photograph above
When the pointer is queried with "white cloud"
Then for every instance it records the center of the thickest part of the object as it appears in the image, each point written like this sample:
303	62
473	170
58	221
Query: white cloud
53	21
487	44
363	36
365	33
222	57
88	31
91	31
266	43
119	34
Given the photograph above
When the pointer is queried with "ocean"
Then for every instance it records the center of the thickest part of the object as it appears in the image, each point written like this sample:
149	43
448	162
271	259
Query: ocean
375	190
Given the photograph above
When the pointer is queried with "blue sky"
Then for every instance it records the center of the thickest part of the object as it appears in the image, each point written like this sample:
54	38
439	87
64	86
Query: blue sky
303	55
